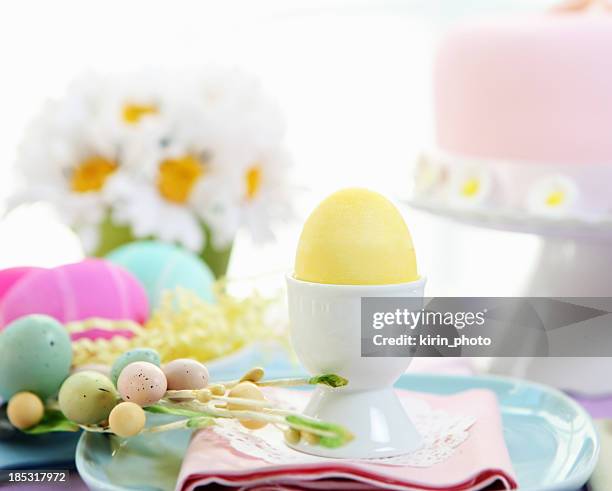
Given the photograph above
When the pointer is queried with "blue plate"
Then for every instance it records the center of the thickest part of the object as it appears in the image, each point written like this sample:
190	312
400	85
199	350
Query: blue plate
551	439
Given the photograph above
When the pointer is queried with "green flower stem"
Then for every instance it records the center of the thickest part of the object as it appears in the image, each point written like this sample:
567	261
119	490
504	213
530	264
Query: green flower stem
186	395
189	395
331	380
179	425
281	382
267	417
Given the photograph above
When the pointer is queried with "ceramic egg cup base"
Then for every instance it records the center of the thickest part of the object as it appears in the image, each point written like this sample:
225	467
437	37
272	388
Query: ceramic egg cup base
376	417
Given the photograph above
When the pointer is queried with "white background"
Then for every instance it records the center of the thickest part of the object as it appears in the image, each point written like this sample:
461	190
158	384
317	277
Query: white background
353	78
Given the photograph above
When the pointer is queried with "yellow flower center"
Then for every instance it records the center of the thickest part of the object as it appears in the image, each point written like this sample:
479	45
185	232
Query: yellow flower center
133	113
555	198
178	176
470	188
253	181
91	174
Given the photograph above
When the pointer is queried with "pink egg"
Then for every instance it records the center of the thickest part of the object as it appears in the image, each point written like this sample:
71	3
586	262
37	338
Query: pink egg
142	382
185	374
9	278
91	288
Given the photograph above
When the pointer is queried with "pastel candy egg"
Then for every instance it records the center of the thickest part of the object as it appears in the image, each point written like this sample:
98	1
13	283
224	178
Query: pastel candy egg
160	266
185	373
142	383
87	397
35	356
91	288
137	354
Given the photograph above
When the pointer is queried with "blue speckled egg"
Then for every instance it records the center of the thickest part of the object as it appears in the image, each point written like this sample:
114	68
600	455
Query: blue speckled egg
160	266
137	354
35	356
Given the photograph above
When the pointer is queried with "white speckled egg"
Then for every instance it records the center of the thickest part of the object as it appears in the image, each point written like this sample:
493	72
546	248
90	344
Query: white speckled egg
185	373
142	382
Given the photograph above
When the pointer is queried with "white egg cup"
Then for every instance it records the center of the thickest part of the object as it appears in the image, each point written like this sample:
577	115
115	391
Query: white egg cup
326	335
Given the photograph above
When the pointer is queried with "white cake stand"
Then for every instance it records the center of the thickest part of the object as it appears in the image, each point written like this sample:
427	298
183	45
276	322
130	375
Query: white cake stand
575	260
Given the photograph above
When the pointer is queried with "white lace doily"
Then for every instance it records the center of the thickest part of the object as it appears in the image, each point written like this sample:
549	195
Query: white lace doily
441	431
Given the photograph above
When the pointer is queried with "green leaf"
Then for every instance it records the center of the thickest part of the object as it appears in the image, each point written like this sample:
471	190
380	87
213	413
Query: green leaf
177	411
340	435
53	420
201	422
329	379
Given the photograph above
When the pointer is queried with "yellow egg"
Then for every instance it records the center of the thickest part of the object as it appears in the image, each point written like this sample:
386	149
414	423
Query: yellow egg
356	237
246	390
25	410
127	419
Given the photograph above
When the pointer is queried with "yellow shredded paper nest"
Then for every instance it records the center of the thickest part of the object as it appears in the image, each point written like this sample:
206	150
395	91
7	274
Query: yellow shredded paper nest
184	326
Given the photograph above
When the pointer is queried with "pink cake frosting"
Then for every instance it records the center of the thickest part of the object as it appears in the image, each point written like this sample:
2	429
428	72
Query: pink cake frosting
523	114
527	88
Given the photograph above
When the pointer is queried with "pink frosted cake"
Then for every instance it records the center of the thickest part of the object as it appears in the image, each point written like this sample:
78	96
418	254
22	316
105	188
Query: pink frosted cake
523	111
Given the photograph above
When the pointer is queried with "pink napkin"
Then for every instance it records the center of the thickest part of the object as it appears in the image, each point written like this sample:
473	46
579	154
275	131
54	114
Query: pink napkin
482	461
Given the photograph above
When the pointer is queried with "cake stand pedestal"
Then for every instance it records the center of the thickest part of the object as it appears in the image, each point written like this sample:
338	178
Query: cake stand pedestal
575	260
572	267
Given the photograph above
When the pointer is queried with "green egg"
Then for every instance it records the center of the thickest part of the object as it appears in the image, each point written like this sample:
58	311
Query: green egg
87	397
35	355
137	354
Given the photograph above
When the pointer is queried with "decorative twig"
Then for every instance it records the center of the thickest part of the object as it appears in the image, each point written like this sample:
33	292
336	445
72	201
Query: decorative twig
330	380
292	419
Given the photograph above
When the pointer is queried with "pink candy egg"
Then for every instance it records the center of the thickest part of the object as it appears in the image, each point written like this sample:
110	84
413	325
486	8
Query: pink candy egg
11	276
142	382
91	288
185	374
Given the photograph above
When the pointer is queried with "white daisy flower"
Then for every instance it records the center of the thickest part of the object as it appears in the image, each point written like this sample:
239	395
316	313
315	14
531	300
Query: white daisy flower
164	172
470	186
69	152
66	164
256	197
553	195
163	155
137	203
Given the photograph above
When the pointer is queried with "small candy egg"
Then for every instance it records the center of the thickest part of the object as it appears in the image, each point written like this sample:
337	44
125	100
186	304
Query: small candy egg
142	383
25	410
185	373
246	390
87	397
127	419
35	356
137	354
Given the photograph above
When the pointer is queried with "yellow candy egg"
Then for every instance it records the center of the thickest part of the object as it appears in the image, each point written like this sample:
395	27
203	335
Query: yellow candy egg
246	390
25	410
127	419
